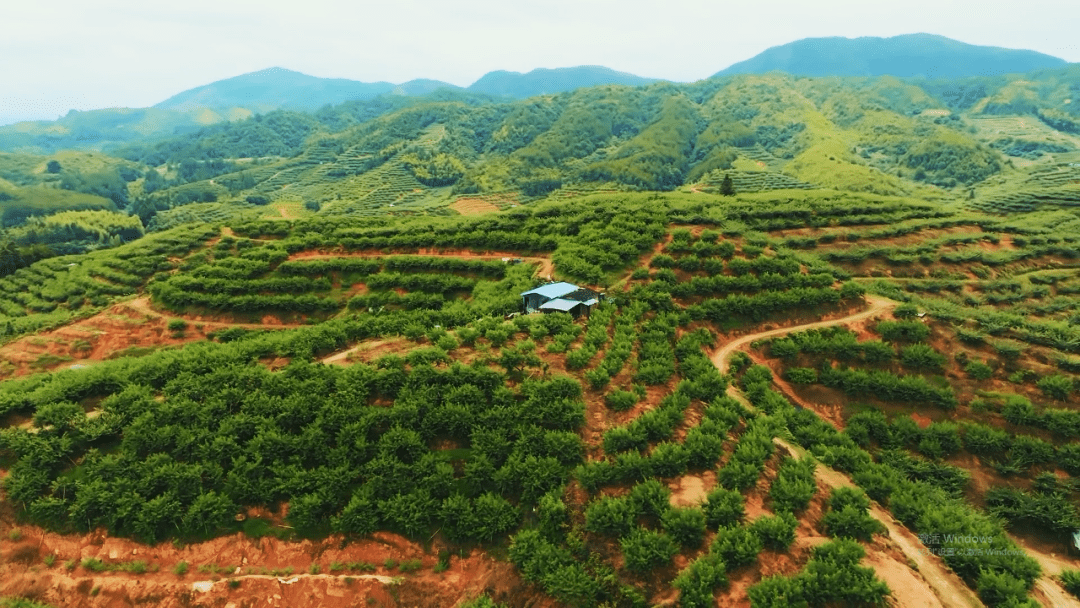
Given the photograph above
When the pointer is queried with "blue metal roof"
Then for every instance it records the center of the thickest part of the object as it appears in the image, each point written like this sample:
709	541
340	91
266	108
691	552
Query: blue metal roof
552	290
559	304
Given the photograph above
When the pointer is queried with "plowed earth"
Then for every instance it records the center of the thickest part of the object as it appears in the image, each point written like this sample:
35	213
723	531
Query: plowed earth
248	572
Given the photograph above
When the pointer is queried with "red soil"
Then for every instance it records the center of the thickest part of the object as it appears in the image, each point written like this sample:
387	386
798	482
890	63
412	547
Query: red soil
472	206
133	324
259	568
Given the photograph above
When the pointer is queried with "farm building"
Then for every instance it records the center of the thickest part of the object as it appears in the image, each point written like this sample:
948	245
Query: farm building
562	297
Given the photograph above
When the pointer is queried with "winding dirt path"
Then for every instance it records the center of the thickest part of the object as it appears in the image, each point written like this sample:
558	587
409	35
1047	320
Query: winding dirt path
721	357
205	586
948	588
1046	586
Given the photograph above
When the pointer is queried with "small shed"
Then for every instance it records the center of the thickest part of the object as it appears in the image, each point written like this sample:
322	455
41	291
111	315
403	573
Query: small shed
560	297
534	298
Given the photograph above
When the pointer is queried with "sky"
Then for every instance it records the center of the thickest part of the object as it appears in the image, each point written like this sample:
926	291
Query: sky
87	54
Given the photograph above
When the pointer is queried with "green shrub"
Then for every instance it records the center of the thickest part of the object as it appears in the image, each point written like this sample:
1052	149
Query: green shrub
177	325
876	351
801	375
410	565
650	498
611	516
940	439
794	485
704	448
686	526
698	580
981	440
724	508
848	515
737	546
1008	349
1001	589
1056	387
741	475
1028	451
978	370
1068	456
1018	410
1070	579
776	591
833	576
906	311
644	549
903	331
879	482
620	400
777	532
921	356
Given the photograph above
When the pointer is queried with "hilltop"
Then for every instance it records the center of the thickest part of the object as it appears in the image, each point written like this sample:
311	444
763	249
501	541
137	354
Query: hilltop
909	55
542	81
273	89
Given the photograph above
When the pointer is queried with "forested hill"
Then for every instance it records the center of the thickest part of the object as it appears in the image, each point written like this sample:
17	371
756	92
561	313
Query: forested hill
275	89
995	143
879	134
908	55
243	96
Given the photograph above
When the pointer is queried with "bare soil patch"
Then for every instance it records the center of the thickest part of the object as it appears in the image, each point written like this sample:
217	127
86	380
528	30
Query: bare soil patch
250	572
127	328
472	206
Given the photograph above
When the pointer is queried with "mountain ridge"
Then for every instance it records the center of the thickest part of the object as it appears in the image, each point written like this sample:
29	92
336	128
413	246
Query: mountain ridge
905	56
279	88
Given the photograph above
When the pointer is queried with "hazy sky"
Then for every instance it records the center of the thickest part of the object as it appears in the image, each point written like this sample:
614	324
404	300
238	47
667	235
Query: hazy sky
86	54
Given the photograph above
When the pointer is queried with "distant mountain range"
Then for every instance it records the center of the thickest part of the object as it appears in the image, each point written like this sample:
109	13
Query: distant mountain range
281	89
913	55
543	81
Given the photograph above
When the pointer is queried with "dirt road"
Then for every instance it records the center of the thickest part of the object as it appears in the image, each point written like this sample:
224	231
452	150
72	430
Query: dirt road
1048	590
948	588
878	305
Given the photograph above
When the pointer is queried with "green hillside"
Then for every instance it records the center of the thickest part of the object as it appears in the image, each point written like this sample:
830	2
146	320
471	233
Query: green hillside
880	135
989	142
99	129
615	459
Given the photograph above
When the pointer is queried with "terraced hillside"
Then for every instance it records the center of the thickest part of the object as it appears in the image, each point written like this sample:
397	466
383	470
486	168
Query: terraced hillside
321	406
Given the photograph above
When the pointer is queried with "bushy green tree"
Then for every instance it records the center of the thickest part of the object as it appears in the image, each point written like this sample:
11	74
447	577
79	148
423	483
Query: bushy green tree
686	526
644	549
1057	387
737	546
848	515
724	508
